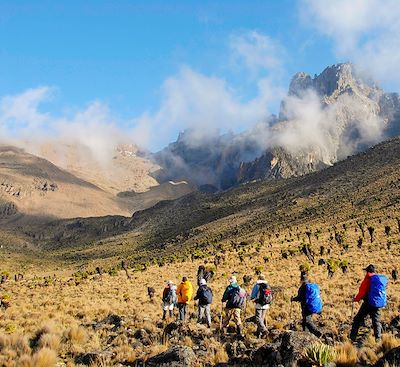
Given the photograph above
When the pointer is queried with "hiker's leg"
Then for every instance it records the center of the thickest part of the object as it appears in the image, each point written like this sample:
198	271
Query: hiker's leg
236	316
304	321
207	309
181	308
263	319
309	324
185	311
227	317
358	319
201	314
376	322
164	314
259	320
171	311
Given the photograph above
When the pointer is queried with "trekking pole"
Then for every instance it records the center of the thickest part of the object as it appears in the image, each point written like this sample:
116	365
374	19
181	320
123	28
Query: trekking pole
352	309
220	321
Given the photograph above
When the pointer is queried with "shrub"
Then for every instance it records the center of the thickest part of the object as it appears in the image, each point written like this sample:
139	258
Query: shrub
304	268
346	355
320	354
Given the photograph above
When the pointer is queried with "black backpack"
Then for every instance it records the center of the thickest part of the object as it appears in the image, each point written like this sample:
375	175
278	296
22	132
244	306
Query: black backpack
264	294
169	297
236	298
205	296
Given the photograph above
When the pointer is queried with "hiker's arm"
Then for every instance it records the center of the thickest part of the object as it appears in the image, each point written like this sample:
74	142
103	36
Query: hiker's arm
363	291
225	296
197	295
299	296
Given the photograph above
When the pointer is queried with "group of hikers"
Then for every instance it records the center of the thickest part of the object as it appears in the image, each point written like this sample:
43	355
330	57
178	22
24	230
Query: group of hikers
372	292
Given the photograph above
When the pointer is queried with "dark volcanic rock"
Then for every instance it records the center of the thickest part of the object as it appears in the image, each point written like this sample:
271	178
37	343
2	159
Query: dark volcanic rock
293	345
391	358
178	356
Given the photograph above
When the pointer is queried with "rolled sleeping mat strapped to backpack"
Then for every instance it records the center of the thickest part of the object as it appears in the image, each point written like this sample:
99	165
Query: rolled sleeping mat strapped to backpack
377	291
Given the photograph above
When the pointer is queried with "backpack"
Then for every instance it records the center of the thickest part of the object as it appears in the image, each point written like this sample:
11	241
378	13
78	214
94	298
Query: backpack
265	294
170	297
205	296
236	298
377	291
313	298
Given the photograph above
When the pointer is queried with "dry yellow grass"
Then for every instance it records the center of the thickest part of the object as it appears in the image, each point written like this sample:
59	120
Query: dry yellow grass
68	317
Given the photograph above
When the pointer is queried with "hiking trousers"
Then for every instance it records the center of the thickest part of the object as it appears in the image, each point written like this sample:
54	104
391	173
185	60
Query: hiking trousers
205	312
232	313
260	320
183	311
362	313
309	325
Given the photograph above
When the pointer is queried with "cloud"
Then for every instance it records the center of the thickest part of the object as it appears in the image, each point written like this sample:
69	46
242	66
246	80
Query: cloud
364	31
258	52
204	104
93	128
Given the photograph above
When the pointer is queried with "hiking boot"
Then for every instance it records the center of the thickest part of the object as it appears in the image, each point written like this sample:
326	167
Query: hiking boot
239	330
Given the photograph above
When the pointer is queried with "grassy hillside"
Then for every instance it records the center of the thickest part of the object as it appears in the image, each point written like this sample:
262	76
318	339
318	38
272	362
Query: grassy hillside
364	188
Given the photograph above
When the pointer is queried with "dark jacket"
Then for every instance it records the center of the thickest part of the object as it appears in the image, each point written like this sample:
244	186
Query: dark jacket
301	297
199	295
227	295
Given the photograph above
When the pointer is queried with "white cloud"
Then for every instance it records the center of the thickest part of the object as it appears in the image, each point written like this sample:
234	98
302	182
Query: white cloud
192	100
257	51
365	31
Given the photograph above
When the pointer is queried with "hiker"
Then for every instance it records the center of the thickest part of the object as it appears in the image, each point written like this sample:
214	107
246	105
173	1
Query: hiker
310	300
373	293
234	297
185	294
169	299
262	296
205	296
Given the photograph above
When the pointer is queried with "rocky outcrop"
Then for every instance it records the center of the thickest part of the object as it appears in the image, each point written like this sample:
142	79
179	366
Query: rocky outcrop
178	356
391	358
322	120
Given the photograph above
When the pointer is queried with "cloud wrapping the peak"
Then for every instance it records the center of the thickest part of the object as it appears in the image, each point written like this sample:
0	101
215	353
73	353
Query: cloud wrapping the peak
365	31
204	104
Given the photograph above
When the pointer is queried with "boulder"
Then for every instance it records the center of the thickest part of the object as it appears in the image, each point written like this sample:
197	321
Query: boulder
178	356
391	358
143	336
293	346
267	355
91	358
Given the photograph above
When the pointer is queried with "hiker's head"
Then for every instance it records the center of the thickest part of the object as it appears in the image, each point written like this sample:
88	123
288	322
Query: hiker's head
184	279
203	281
370	268
261	277
232	279
304	278
169	283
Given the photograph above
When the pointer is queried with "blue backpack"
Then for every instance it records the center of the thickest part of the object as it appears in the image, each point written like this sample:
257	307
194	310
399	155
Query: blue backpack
313	298
377	291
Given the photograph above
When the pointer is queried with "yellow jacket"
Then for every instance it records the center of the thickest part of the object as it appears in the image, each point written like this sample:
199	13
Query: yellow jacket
185	292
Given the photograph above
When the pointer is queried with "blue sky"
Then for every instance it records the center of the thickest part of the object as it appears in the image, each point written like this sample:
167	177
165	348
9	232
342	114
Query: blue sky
123	55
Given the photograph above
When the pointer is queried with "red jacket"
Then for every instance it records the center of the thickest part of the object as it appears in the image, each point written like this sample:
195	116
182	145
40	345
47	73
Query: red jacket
364	288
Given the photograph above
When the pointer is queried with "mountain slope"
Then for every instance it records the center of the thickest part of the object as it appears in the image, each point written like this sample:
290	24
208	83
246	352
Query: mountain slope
359	188
33	189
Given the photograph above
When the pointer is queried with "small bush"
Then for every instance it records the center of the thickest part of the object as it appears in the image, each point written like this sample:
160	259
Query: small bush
346	355
320	354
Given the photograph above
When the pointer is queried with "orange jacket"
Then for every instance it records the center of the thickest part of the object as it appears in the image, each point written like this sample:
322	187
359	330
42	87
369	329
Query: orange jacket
364	288
185	292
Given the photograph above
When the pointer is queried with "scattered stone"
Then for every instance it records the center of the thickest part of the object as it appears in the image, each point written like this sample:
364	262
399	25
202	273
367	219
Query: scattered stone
93	358
178	356
391	358
293	346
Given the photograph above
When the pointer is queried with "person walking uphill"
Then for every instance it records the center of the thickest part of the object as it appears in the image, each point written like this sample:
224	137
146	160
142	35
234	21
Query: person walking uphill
205	296
261	294
169	299
310	300
373	293
185	295
234	297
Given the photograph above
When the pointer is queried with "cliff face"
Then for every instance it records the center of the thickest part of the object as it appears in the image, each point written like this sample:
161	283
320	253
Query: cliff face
322	120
